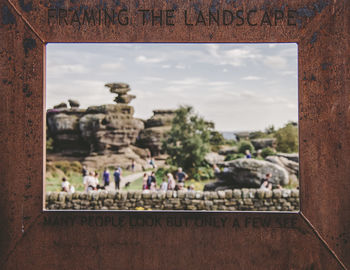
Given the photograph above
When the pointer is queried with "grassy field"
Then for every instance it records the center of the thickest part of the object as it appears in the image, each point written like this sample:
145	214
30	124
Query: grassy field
72	171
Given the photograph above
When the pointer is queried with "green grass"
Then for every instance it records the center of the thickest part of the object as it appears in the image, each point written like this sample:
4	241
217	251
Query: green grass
75	179
135	185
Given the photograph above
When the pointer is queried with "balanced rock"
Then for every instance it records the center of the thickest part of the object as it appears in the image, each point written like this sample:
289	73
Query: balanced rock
241	173
62	105
74	103
118	88
124	98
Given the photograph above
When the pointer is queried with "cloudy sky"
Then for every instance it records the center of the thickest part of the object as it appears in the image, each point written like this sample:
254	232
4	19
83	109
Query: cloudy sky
237	86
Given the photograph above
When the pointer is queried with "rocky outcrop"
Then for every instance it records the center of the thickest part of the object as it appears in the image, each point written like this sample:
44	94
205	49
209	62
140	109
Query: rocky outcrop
226	150
291	166
155	131
248	173
291	156
263	143
98	129
214	158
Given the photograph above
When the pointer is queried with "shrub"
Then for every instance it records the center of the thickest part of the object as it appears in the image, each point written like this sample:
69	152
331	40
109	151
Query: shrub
287	138
188	141
245	145
234	156
268	151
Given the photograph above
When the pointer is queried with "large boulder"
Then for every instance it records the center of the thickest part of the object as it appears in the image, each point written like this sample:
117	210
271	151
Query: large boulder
291	156
248	173
263	143
214	158
62	105
74	103
291	166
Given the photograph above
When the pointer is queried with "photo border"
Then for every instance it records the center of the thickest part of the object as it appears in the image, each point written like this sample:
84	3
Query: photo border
316	237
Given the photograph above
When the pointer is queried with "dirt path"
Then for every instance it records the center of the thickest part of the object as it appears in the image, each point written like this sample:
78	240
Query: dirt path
125	179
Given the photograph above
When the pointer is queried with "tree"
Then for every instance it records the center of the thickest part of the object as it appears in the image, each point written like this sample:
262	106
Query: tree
188	141
287	138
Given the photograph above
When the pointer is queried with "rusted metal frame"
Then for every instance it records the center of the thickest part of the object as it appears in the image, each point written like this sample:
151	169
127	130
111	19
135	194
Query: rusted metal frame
34	221
318	235
26	22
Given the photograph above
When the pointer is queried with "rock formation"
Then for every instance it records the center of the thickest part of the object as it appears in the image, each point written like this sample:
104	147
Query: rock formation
121	89
104	129
155	131
247	173
263	143
73	103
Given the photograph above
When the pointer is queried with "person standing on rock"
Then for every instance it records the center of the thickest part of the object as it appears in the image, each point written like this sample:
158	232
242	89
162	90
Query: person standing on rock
117	177
248	154
180	175
106	177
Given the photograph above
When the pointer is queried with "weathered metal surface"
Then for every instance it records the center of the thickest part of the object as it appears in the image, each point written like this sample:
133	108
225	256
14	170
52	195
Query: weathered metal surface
317	238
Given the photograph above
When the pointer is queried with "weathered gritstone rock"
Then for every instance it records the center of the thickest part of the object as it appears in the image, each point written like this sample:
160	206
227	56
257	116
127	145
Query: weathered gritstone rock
156	129
263	143
248	173
227	200
73	103
104	129
291	166
214	158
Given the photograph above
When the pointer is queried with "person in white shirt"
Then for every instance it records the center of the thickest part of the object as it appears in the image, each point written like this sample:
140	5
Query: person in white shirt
90	182
171	182
164	185
65	185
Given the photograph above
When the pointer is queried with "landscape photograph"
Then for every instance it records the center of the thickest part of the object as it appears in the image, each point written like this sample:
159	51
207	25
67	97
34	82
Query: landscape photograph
172	127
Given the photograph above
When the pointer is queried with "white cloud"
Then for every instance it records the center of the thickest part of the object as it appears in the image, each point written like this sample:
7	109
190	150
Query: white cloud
275	62
251	78
148	60
112	66
179	66
57	70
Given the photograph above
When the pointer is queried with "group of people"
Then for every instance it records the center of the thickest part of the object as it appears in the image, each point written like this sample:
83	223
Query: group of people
169	183
91	181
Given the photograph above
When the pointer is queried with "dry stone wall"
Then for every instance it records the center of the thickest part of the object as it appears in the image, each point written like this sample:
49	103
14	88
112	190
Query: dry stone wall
224	200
